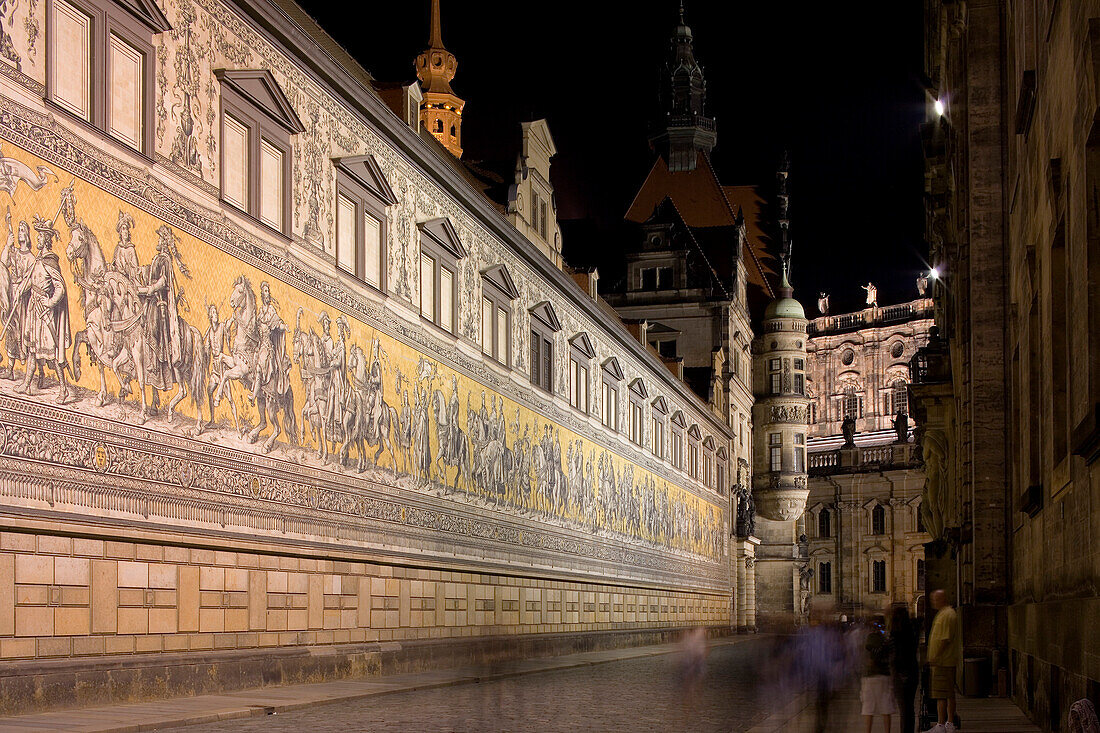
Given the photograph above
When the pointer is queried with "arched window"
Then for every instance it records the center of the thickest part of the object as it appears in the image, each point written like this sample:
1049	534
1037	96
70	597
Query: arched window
900	398
439	126
824	523
453	131
878	519
853	403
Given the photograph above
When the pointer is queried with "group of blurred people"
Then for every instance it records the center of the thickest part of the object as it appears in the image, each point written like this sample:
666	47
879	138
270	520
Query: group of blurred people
884	654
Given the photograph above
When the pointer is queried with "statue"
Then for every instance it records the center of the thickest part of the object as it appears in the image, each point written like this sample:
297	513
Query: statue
803	545
805	575
901	427
922	284
823	303
848	428
746	512
872	294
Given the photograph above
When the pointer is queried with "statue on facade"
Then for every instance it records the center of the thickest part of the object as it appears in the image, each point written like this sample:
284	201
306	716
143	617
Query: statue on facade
901	427
805	577
823	303
803	545
922	284
746	512
848	428
872	294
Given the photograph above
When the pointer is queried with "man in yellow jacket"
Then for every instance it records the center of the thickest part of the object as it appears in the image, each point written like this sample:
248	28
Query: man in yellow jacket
944	657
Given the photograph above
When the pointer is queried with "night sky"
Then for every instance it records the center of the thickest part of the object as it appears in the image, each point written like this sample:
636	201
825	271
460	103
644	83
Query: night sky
837	85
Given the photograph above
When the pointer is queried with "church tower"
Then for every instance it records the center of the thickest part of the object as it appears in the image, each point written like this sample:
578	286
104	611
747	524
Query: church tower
441	110
780	479
684	130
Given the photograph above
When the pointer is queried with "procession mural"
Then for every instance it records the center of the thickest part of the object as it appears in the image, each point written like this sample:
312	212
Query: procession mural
109	311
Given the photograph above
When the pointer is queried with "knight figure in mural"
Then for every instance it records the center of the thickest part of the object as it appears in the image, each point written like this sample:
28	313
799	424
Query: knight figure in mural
15	263
164	354
46	334
272	365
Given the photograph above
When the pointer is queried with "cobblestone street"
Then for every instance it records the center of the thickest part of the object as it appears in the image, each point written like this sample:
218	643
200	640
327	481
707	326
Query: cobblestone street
632	695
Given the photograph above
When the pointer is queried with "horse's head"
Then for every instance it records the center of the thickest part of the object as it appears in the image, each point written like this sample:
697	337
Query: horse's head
243	298
77	248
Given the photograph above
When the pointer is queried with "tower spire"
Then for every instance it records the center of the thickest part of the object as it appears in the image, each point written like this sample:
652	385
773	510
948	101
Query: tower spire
441	110
684	130
783	200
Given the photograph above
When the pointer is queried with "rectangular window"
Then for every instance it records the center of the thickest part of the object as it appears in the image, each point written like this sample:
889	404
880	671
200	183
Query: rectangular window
541	360
658	429
578	384
372	250
542	219
878	576
235	162
677	448
446	299
126	73
610	407
708	469
664	278
649	278
427	287
775	451
345	233
799	453
271	185
502	334
636	416
825	578
774	376
693	459
487	341
800	383
72	67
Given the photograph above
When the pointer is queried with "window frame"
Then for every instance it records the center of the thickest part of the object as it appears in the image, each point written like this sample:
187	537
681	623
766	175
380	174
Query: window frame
694	463
272	121
638	394
360	180
439	241
775	376
611	378
878	566
581	355
678	428
825	577
136	27
658	430
878	520
775	452
497	289
824	523
544	326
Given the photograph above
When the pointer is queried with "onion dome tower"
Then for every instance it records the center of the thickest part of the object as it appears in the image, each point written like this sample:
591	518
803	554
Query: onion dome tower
684	130
780	482
441	110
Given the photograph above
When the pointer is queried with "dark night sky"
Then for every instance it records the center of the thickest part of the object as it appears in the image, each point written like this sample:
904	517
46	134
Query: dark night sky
836	84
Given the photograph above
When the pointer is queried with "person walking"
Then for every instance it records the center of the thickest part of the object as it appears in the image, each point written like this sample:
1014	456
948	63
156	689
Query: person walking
876	693
944	657
904	666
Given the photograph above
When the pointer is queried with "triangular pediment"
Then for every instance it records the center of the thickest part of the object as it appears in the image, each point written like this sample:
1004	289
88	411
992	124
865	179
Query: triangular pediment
638	388
582	343
661	405
364	169
709	443
694	432
540	131
678	419
148	13
544	311
498	276
259	87
656	328
611	366
443	233
721	453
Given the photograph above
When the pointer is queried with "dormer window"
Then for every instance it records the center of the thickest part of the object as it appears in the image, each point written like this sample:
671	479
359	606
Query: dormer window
101	65
440	251
657	278
257	124
497	293
544	324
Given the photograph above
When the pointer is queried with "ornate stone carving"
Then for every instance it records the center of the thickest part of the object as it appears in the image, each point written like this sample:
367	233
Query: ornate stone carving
788	414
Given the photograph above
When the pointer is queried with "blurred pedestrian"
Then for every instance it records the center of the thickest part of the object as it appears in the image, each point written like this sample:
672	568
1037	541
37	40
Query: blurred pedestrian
876	690
944	657
904	666
693	664
822	659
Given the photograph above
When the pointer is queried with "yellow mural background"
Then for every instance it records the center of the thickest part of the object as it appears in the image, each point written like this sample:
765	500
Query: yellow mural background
213	274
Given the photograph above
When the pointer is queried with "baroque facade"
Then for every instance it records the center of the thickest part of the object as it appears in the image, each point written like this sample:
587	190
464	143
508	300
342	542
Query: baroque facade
864	533
1007	397
284	378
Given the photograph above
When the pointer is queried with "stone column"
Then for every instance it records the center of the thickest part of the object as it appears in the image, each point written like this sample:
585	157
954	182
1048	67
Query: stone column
745	560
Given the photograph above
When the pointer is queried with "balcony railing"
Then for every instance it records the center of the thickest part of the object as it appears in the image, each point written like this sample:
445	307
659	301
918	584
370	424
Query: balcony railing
871	458
930	365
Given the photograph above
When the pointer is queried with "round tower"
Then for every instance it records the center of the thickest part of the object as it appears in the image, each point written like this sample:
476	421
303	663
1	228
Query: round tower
780	484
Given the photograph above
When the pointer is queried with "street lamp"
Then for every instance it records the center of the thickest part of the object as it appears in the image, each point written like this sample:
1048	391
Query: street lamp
934	273
939	108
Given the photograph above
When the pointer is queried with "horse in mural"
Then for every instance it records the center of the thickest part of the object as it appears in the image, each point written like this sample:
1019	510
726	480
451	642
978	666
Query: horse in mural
258	360
313	367
453	451
367	418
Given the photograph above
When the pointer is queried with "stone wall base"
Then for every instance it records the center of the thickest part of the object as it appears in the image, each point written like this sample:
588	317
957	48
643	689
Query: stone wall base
33	686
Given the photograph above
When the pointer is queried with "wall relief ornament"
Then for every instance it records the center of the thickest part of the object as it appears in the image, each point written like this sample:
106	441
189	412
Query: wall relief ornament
788	414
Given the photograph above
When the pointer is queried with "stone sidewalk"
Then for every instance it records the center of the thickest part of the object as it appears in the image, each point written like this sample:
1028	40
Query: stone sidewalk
978	715
271	700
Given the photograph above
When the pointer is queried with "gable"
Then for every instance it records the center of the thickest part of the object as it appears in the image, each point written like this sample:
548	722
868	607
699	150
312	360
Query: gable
678	419
583	344
638	388
443	233
259	87
544	311
611	366
148	13
498	276
660	405
709	443
364	169
694	432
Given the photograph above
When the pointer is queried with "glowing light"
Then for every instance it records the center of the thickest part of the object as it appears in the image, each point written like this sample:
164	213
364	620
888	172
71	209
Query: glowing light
939	107
934	273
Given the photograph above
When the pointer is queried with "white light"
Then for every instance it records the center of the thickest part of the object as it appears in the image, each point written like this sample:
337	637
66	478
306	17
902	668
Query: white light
934	273
939	107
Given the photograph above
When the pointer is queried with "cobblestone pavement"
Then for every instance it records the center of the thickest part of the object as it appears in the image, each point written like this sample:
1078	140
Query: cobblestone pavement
633	695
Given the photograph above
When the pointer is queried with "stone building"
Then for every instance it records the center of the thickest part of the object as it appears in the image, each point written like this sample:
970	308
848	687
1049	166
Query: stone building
360	408
1007	400
864	534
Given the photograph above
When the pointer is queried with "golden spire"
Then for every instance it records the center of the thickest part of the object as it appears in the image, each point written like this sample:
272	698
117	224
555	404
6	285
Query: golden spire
436	39
441	110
